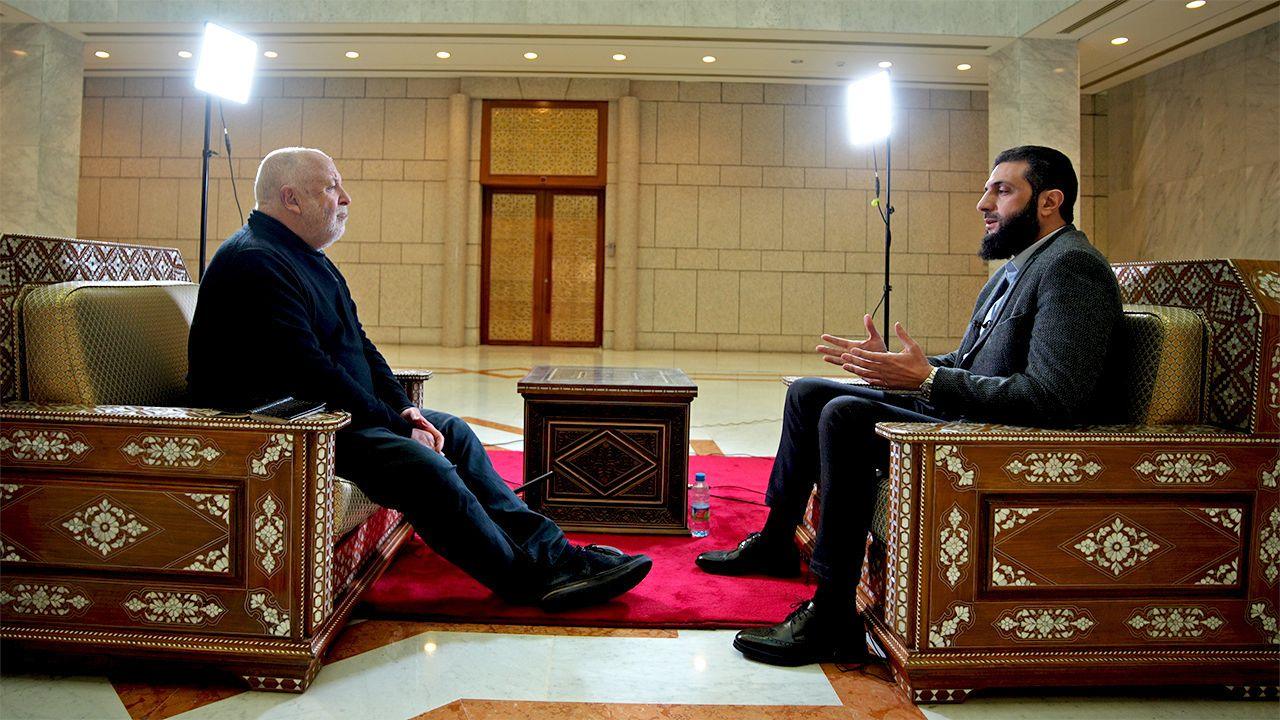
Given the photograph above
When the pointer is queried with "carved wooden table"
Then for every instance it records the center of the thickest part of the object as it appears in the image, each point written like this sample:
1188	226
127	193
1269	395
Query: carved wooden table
617	443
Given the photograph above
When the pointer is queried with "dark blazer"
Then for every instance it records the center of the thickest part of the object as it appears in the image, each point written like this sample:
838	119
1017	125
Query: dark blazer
1050	355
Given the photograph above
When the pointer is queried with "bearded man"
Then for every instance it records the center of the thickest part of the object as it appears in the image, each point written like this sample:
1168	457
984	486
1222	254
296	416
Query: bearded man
275	318
1040	350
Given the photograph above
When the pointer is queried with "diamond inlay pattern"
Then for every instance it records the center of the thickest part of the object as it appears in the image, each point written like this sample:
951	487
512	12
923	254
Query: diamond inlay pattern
1117	546
609	463
106	526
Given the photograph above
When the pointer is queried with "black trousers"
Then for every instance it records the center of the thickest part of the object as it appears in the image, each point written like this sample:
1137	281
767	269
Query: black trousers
456	501
828	438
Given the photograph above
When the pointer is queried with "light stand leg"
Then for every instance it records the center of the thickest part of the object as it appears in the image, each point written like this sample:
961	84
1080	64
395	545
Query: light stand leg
204	182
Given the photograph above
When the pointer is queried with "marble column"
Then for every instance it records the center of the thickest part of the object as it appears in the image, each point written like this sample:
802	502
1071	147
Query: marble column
624	330
453	300
1034	97
41	96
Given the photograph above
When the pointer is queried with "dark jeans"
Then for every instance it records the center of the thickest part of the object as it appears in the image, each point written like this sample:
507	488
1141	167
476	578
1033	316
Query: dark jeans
828	437
456	502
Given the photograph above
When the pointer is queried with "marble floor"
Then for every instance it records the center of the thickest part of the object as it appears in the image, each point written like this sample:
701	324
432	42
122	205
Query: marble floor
397	669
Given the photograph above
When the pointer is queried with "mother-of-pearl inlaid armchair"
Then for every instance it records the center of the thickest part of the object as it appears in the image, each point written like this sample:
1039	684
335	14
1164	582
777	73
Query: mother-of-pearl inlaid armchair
1138	554
133	526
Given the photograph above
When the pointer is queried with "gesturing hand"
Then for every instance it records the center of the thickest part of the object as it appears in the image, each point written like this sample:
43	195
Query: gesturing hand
905	370
832	354
423	431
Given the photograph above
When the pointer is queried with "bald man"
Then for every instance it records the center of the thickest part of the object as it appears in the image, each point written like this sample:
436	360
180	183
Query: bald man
275	318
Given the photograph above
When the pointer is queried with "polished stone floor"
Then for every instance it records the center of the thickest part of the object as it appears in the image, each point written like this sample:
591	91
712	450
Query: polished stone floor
392	669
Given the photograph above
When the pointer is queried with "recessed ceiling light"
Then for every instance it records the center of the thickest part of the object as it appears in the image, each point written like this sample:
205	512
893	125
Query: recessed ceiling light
708	58
184	54
352	54
964	66
20	53
531	56
102	54
271	54
1195	4
619	57
1059	71
1119	40
885	64
797	61
444	54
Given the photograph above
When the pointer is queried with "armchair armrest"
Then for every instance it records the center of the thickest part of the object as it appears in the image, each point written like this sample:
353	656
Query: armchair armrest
412	380
992	433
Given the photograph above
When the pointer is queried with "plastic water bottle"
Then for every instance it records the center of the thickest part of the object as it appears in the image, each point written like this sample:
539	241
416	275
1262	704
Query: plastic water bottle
700	506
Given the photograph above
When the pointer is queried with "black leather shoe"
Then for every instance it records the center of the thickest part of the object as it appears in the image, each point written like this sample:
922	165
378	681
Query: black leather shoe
590	575
753	556
807	636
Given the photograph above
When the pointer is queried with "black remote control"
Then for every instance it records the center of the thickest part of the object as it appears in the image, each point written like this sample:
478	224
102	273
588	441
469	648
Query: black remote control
288	408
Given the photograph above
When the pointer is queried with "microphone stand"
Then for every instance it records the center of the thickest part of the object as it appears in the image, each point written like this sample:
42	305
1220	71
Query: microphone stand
204	181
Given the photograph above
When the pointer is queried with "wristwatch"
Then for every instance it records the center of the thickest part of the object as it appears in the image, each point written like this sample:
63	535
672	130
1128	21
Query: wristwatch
926	387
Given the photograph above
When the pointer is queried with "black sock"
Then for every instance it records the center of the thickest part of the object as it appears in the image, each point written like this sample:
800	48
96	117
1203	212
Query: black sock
837	598
777	530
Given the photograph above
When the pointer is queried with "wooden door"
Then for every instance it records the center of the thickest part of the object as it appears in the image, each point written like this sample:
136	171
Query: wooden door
542	267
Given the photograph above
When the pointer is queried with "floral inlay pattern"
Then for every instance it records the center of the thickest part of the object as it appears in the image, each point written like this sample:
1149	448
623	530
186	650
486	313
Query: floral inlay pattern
1224	574
1009	518
32	599
1228	517
1044	623
1118	546
1053	467
107	526
174	608
1156	622
322	532
957	619
1008	576
953	545
216	504
173	451
8	490
1271	477
43	445
263	607
960	471
1269	283
1183	468
268	534
217	560
1263	616
9	553
1269	546
897	589
277	448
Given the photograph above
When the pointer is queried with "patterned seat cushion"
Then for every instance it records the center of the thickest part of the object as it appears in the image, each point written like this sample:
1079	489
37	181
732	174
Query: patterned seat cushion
107	343
1165	364
350	508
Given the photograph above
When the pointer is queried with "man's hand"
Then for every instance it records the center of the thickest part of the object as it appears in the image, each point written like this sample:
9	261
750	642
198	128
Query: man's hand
833	355
905	370
423	431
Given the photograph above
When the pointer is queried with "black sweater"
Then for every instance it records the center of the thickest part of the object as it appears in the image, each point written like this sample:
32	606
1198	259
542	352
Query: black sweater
275	318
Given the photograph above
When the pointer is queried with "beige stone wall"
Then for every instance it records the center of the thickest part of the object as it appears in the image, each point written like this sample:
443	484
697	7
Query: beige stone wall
755	228
1195	156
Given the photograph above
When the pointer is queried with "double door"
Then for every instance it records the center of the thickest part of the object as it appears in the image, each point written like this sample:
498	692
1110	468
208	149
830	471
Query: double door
542	267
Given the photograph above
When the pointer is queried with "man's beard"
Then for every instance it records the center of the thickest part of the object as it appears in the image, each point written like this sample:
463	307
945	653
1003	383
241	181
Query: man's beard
327	233
1012	237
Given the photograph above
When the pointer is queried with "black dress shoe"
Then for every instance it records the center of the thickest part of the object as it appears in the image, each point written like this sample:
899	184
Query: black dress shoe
754	556
590	575
808	635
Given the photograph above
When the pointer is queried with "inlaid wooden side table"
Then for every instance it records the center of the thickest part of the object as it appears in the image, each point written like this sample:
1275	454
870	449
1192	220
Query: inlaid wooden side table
616	441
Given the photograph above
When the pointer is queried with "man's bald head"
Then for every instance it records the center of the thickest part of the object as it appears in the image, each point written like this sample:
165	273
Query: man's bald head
302	189
292	166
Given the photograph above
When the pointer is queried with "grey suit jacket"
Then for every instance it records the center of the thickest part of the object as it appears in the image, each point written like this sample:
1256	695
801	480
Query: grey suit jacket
1050	355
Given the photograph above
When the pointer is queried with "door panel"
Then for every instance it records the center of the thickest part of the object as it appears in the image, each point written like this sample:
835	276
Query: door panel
512	245
575	221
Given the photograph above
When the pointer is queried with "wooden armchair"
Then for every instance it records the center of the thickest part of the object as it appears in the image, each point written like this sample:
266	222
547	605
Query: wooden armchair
1136	554
132	527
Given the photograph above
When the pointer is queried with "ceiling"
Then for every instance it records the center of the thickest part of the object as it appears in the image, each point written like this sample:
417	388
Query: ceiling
1160	32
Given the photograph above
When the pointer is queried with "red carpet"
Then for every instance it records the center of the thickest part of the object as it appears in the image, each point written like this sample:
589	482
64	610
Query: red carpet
422	585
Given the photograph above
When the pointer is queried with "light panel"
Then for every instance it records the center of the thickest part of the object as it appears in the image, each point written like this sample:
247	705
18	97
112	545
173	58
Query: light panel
869	109
226	64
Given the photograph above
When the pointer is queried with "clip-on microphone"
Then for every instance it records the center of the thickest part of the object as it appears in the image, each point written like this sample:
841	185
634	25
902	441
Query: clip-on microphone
536	481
